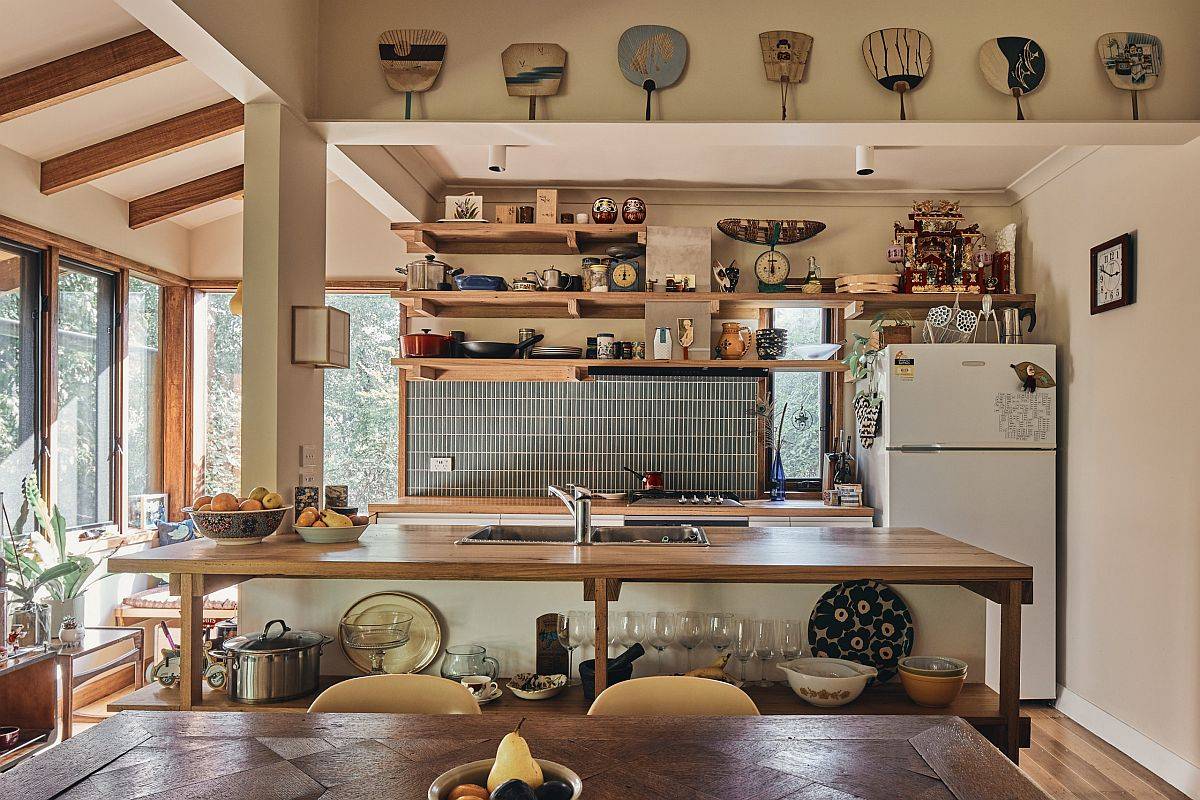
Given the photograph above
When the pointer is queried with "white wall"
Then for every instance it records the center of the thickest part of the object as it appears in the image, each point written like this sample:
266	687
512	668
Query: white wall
1129	441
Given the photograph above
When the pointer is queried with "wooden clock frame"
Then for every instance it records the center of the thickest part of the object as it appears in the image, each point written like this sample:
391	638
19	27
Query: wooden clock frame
1128	272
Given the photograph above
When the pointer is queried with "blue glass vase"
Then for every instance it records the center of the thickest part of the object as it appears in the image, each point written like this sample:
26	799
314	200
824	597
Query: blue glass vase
777	478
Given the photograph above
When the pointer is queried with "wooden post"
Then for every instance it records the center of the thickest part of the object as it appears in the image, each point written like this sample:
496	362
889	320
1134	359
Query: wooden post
601	637
191	642
1010	667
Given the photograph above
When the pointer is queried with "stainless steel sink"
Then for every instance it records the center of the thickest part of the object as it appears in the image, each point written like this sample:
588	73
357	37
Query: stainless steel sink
657	535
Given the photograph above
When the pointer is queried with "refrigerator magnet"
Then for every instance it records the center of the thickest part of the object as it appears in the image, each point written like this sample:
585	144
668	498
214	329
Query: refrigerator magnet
904	366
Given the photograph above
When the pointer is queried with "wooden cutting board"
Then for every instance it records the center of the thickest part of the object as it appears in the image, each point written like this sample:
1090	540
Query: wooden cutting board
899	59
1132	61
652	57
1013	65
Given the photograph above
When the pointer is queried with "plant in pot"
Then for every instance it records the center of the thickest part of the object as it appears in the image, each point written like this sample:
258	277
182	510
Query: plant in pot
45	577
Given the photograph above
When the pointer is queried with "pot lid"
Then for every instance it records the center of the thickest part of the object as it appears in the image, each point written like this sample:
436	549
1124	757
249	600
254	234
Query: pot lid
274	640
431	260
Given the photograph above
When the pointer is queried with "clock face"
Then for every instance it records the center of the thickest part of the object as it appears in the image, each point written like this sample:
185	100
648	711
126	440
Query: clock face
772	267
624	274
1109	275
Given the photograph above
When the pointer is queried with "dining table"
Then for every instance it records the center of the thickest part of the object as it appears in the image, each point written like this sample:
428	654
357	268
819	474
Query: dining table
183	755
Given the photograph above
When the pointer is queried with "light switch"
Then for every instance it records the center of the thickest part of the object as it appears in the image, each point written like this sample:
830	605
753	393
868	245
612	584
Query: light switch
308	455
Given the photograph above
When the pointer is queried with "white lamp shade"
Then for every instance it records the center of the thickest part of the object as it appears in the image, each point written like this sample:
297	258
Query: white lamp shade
321	337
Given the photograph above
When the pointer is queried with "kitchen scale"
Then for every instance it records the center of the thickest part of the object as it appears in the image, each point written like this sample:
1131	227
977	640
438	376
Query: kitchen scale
772	267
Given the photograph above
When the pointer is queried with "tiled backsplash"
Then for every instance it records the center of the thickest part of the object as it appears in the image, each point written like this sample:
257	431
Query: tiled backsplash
512	439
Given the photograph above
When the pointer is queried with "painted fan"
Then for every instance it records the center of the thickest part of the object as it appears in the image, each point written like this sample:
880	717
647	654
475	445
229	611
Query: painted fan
785	55
652	57
412	59
1013	65
899	59
533	70
1132	61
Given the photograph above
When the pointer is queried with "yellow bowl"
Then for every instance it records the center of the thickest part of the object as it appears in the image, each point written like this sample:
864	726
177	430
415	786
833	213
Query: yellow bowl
933	692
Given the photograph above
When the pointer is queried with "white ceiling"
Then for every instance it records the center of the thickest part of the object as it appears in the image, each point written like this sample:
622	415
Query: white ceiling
822	168
37	31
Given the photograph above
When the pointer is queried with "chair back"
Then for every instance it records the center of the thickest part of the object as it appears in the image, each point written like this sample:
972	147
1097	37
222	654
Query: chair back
397	694
673	695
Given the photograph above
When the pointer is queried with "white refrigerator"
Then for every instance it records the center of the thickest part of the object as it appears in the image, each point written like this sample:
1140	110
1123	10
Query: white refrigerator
963	449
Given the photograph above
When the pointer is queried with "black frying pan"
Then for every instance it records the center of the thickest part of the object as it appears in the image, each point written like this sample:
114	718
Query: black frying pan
499	349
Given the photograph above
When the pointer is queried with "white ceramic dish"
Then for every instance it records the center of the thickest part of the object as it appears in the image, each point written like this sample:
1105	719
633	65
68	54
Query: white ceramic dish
477	771
815	352
610	495
330	535
554	684
827	682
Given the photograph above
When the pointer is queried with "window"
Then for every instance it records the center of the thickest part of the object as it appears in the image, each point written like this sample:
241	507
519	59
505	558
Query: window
143	389
362	405
806	396
222	395
20	429
84	443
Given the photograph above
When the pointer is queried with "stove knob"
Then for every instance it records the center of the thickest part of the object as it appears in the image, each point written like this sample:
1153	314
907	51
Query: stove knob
695	499
682	500
708	499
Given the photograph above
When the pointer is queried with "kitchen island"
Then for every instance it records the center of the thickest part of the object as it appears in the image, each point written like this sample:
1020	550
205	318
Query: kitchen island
737	555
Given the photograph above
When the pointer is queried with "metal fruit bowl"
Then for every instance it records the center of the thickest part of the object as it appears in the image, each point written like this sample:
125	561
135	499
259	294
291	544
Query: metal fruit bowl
476	772
238	527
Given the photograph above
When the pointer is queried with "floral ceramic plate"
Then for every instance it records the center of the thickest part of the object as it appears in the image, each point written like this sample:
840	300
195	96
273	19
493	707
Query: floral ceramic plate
863	621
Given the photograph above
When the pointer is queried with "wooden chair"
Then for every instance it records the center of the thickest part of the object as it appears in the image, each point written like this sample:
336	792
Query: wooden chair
677	695
397	694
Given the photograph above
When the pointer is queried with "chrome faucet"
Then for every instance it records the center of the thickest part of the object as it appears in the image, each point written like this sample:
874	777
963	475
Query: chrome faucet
579	503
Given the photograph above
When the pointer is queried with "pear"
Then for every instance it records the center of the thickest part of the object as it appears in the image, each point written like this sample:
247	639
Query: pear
258	493
513	760
272	500
335	520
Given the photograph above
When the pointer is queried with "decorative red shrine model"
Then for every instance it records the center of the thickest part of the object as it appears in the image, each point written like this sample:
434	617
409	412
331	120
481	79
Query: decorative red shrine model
937	255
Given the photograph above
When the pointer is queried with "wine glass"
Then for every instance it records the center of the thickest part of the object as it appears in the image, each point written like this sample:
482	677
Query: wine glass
633	628
744	637
574	630
376	632
660	633
691	632
791	641
720	632
764	647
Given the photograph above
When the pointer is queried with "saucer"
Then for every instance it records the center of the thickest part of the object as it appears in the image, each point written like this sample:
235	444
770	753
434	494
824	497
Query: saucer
490	696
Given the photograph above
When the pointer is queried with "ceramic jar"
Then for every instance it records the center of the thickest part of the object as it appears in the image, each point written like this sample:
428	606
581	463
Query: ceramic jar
734	341
606	346
604	211
633	211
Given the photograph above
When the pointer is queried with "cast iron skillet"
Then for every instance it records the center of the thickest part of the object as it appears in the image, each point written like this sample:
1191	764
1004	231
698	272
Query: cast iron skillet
499	349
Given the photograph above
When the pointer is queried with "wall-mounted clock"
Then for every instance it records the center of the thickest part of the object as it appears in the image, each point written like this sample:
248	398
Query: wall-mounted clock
772	269
1113	278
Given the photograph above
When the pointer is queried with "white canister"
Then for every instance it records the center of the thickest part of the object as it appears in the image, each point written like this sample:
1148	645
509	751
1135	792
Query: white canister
662	344
581	219
606	345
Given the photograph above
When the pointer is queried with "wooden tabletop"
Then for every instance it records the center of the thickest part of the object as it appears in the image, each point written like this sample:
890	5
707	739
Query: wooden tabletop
551	505
343	756
737	555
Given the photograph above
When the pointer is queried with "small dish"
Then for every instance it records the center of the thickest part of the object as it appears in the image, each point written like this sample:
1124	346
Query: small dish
331	535
531	686
827	682
610	495
495	694
476	772
933	666
932	692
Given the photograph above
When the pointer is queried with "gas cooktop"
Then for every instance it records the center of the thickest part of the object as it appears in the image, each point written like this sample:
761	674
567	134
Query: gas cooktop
672	499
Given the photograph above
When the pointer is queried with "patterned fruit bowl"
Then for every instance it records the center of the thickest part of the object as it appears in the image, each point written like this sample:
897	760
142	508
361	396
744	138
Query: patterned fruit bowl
238	527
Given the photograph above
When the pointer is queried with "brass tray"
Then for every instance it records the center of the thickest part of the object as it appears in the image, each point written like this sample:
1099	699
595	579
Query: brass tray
424	635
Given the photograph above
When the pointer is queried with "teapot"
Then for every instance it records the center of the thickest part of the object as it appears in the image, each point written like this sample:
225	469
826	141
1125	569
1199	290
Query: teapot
552	280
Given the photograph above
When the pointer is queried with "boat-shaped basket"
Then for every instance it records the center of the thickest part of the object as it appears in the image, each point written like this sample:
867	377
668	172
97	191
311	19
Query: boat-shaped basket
761	231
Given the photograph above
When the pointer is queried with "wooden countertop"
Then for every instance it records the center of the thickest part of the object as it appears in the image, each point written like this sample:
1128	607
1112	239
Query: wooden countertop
737	555
550	505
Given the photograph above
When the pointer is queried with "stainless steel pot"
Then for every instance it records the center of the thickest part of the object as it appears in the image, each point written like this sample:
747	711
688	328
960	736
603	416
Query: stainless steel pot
428	274
266	668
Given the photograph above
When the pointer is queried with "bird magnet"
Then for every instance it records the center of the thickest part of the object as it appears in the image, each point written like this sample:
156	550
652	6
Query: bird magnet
1032	377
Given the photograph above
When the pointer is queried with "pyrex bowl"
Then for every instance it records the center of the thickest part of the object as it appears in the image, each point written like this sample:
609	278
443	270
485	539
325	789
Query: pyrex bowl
932	692
933	666
827	682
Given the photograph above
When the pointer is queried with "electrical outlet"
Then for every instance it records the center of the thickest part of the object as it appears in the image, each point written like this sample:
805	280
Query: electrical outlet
445	464
308	479
308	455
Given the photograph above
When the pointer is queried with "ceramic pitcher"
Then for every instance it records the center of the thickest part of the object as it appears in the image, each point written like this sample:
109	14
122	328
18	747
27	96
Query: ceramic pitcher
734	341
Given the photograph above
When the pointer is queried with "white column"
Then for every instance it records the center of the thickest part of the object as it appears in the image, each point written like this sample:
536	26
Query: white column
283	265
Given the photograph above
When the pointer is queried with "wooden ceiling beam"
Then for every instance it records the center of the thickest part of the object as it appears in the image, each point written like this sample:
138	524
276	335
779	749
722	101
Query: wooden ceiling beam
138	147
84	72
186	197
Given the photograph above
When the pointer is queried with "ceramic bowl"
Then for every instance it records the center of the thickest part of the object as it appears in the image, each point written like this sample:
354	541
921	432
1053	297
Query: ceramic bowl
933	666
827	682
477	771
530	686
816	352
237	527
330	535
932	692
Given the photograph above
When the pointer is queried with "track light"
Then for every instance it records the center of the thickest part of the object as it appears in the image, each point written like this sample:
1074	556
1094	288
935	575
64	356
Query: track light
497	157
864	159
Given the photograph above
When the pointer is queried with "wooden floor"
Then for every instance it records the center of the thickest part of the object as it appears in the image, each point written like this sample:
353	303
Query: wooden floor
1070	763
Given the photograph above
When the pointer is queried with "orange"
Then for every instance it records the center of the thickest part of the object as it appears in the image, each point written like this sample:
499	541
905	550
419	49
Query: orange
202	500
250	505
468	790
224	502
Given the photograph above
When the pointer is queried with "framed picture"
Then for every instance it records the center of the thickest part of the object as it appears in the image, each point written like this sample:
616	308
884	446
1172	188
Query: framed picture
1113	276
464	208
146	511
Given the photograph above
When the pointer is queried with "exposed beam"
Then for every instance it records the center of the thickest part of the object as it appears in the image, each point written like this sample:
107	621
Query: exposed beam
83	72
140	146
186	197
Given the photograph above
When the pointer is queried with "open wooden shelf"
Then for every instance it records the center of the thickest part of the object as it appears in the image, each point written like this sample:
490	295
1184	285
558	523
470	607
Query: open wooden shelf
632	305
506	239
574	369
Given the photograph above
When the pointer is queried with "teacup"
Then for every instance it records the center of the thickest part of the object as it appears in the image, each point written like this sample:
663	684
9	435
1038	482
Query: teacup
480	685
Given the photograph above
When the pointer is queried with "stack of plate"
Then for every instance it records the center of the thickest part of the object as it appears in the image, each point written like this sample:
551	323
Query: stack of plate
555	352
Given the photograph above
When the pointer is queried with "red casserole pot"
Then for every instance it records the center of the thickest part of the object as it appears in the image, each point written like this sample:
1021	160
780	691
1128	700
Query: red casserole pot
425	345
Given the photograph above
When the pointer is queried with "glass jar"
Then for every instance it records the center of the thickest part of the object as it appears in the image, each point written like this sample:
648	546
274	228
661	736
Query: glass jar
462	660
